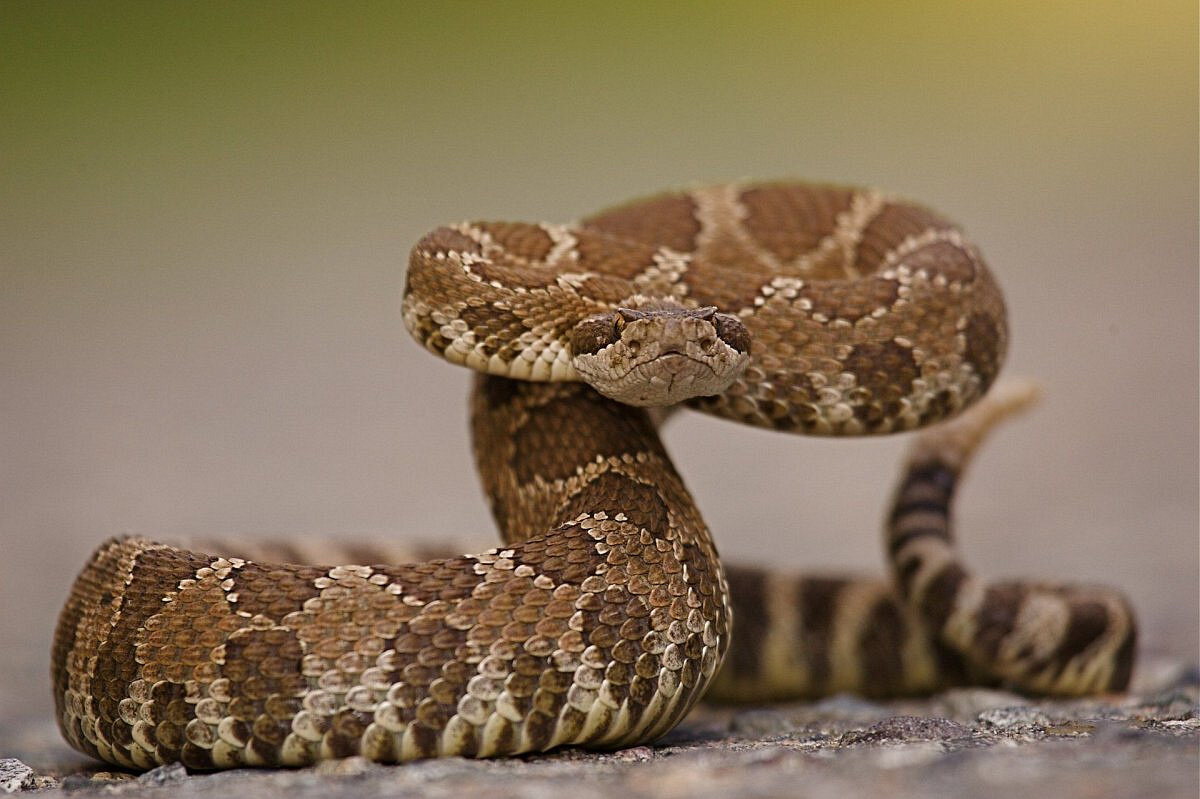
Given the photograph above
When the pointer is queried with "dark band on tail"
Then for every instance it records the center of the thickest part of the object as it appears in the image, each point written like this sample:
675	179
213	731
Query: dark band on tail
937	624
1041	638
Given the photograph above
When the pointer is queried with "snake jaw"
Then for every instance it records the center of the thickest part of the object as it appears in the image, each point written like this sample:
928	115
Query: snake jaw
661	355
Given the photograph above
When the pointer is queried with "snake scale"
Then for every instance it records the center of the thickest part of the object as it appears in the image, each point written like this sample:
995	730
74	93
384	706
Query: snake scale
606	614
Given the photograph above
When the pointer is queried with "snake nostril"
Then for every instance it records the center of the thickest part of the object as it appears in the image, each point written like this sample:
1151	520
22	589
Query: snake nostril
634	346
707	343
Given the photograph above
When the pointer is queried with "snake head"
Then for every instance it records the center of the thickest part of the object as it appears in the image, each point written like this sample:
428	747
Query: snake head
660	355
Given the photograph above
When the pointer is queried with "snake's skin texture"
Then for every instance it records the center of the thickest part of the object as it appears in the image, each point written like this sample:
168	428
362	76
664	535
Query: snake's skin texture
868	315
606	614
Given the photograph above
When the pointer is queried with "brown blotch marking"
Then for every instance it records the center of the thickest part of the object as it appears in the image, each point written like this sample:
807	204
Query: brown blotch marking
614	493
890	227
788	401
850	300
261	664
493	402
747	592
521	240
615	257
605	429
730	279
668	220
818	600
790	219
156	573
886	371
881	649
985	342
498	392
606	288
493	327
518	275
273	591
448	579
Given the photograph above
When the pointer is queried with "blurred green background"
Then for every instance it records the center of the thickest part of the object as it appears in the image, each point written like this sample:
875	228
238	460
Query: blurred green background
207	207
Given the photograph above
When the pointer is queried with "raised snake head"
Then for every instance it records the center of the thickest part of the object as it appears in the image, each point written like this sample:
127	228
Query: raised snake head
660	355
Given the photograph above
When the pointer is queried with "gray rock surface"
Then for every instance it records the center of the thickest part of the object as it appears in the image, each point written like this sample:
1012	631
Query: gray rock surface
968	742
14	775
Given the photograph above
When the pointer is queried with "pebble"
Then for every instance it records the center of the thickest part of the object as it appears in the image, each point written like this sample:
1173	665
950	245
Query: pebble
14	775
908	728
1005	718
172	772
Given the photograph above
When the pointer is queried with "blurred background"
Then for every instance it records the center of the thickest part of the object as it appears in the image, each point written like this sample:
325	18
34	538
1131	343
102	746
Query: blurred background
205	212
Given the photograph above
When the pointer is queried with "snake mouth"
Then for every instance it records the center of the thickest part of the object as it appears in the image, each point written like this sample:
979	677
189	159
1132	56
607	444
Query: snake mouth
669	378
669	364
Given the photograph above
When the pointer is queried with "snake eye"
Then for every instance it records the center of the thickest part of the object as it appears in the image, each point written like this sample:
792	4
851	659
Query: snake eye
595	333
732	331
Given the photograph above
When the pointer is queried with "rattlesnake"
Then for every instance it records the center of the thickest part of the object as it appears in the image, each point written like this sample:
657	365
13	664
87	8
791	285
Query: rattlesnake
607	613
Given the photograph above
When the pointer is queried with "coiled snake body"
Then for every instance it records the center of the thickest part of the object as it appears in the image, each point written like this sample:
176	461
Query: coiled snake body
607	614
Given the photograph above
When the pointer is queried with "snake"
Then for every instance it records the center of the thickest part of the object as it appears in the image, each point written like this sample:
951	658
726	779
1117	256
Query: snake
606	614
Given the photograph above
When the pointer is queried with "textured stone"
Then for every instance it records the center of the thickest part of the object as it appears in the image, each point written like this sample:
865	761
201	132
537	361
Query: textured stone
977	743
1003	718
14	775
164	775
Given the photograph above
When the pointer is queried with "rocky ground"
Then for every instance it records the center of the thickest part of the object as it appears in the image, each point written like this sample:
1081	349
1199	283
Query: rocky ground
971	742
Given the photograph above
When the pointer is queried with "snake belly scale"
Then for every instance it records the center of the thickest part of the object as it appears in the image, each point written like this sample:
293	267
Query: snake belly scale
607	613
